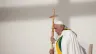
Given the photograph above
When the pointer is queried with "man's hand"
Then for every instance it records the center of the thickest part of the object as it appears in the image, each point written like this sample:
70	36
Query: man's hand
51	51
52	39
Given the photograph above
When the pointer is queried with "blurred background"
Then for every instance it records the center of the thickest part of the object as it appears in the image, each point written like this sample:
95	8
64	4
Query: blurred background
25	26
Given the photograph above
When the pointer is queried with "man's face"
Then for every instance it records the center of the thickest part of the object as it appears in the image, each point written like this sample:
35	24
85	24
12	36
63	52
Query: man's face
58	28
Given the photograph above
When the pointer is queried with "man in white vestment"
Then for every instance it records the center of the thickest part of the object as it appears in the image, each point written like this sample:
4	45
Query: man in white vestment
67	42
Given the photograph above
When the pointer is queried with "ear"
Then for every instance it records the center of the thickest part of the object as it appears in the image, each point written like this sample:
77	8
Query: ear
62	27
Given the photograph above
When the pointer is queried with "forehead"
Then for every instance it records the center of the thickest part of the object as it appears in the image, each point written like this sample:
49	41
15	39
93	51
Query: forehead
57	25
